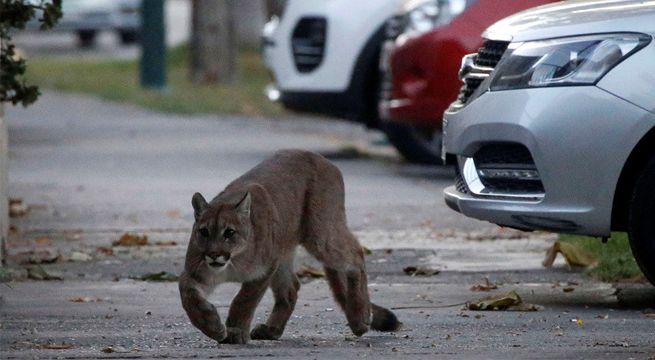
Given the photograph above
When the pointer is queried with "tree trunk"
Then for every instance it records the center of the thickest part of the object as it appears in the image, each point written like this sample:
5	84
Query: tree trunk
4	179
213	45
274	7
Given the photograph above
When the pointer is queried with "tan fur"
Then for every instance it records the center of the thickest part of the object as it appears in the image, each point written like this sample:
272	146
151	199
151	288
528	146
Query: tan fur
293	198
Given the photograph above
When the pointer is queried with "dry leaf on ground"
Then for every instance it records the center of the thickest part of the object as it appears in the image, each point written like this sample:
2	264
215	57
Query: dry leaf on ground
17	208
131	240
42	241
62	346
573	255
173	214
420	271
40	256
85	299
306	271
166	243
510	301
73	234
115	349
38	273
486	286
105	250
160	276
78	256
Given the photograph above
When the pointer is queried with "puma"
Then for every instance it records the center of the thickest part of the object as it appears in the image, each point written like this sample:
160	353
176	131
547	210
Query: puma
249	233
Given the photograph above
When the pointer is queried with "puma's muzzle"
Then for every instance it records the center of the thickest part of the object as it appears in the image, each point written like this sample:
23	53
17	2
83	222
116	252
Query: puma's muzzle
217	260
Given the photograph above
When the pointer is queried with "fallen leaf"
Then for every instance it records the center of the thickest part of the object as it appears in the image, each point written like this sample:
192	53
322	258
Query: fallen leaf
62	346
115	349
85	299
366	250
42	241
166	243
38	273
160	276
131	240
78	256
17	208
602	317
306	271
73	234
568	289
574	256
578	322
486	286
40	256
420	271
173	214
105	250
510	301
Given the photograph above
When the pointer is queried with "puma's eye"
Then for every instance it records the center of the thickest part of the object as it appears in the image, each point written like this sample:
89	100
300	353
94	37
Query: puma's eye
228	233
204	232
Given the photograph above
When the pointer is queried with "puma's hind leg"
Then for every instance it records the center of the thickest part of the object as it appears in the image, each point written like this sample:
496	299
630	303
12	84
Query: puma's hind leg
285	286
350	292
349	283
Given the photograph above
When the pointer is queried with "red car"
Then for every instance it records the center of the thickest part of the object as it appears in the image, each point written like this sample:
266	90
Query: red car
421	76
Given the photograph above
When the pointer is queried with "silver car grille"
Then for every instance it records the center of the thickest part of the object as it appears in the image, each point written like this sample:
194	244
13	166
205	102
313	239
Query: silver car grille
477	67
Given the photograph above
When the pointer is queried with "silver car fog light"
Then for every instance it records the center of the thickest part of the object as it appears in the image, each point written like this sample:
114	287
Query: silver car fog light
516	174
508	183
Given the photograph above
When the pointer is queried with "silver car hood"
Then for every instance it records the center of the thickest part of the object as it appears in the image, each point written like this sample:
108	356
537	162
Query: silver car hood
575	17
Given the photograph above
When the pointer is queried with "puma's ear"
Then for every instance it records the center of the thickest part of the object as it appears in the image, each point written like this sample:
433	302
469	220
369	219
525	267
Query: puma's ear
199	205
243	207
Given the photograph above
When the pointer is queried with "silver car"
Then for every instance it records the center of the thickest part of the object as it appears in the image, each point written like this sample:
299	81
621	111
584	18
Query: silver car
555	128
88	17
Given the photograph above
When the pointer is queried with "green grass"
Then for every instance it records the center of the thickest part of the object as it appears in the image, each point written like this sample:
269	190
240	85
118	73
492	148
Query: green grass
615	260
118	80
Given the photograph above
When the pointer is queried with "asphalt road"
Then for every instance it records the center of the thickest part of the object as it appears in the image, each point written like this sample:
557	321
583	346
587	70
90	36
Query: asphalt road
90	171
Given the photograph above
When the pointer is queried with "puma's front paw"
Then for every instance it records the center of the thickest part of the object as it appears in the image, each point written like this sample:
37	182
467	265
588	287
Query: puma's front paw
359	329
214	330
235	336
265	332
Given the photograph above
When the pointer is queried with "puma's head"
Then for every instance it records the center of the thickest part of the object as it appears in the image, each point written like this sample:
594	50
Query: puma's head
222	229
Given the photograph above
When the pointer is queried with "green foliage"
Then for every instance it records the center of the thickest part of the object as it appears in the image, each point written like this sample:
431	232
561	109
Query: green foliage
14	14
118	80
615	260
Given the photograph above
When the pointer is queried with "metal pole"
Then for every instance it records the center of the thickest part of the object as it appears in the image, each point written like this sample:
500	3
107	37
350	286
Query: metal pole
153	45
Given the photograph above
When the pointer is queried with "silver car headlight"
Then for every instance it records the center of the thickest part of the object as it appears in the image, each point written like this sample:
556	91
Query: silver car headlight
581	60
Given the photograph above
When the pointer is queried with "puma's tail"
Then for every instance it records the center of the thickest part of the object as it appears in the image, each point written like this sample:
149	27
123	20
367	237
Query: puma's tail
384	319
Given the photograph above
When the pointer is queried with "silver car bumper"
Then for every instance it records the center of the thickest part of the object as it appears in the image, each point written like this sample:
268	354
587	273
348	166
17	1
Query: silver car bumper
579	139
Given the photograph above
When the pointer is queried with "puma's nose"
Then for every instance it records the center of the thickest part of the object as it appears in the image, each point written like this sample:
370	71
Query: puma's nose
216	259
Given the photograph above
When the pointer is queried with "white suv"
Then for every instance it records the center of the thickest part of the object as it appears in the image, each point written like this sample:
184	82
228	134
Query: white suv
555	126
324	54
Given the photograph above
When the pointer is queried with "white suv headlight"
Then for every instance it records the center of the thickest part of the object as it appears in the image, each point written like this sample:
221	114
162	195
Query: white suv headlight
581	60
423	16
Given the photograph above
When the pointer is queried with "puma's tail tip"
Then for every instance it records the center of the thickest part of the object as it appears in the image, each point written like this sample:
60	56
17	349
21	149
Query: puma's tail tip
384	320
